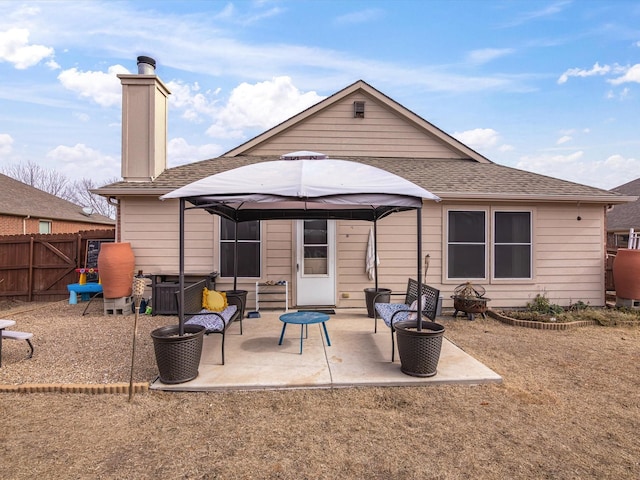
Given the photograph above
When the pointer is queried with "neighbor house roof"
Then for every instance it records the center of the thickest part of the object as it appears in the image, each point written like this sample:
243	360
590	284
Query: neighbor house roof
624	217
20	199
450	179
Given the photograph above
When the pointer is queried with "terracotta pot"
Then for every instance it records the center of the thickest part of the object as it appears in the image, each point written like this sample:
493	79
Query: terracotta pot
626	273
116	264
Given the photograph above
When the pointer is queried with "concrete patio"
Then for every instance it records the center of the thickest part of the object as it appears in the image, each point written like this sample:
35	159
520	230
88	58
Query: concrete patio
357	357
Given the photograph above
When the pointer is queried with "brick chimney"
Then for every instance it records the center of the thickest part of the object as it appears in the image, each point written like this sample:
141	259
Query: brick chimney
144	123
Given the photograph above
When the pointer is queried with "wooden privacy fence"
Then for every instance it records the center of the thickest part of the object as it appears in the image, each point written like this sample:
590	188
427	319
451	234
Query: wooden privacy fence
39	267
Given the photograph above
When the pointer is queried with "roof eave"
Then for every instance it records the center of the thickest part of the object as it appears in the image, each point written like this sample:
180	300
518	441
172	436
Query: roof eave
510	197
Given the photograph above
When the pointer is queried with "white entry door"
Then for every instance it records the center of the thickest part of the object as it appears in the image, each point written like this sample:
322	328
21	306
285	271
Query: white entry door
316	263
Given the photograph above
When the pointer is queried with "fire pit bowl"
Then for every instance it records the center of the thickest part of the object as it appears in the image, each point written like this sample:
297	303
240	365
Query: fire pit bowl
470	300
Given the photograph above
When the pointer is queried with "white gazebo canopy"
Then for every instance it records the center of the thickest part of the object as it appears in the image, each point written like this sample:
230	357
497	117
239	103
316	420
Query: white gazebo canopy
302	185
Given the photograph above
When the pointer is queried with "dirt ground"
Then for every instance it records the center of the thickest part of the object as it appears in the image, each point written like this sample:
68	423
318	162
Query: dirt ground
568	408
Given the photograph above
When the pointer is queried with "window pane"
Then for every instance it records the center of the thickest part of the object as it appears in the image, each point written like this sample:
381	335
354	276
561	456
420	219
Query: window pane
466	227
248	259
466	261
513	227
513	261
246	230
249	230
44	227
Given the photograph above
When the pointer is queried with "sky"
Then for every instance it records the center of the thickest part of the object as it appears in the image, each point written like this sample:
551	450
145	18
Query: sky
551	87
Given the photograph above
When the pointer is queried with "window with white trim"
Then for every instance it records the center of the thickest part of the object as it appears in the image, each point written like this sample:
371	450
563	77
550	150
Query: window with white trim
512	245
466	244
249	248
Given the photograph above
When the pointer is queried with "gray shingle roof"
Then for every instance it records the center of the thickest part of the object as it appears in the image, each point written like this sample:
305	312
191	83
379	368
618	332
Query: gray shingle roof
624	217
17	198
448	178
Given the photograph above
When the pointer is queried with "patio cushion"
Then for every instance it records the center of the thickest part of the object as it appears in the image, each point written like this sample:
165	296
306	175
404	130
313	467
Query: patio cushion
214	301
414	306
213	322
386	311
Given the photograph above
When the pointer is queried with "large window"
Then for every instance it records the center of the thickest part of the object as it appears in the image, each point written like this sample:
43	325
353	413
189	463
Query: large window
248	248
512	245
466	243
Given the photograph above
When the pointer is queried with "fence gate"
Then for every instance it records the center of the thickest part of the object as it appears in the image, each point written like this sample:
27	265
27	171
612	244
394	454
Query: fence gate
39	267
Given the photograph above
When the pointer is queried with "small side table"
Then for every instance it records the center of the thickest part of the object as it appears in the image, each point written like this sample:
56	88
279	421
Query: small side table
4	324
304	319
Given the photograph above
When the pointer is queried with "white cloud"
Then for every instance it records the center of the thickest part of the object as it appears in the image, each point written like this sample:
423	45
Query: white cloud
15	48
611	172
261	105
579	72
564	139
631	75
83	117
6	144
361	16
79	161
194	103
103	88
179	152
488	54
479	138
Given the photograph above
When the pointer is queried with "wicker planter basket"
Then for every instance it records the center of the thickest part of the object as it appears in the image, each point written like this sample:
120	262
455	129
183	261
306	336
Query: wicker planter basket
178	357
419	350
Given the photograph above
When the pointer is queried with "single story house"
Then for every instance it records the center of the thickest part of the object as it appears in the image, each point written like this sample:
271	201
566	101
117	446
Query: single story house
516	233
26	210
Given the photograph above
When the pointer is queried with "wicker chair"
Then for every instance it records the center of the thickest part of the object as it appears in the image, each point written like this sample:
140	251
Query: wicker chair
397	312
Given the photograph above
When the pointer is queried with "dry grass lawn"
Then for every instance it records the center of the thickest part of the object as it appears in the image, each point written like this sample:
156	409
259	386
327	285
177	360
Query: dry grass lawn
569	408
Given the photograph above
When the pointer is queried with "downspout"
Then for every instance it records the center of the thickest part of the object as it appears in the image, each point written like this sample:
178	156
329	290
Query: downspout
24	224
116	203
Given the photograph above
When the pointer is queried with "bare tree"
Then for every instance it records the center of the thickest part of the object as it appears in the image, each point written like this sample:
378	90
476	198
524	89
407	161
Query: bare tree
55	183
34	175
81	195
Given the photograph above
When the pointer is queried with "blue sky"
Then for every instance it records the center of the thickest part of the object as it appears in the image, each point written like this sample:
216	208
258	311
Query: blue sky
547	86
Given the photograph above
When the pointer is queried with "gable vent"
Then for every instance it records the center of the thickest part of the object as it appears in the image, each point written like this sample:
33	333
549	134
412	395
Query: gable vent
358	109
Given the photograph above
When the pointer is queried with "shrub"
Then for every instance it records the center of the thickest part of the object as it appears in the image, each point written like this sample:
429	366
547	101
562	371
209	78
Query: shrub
541	304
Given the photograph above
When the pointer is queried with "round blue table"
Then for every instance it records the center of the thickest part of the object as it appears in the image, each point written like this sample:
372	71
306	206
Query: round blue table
304	319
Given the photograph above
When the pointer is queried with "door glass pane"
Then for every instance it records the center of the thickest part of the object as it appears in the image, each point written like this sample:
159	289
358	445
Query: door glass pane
315	232
316	248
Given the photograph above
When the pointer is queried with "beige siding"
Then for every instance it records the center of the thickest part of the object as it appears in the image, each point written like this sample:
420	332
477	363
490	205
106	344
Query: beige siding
568	257
152	228
568	254
334	131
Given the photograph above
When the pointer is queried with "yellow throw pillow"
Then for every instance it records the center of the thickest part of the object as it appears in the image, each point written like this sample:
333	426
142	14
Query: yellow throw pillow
213	300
